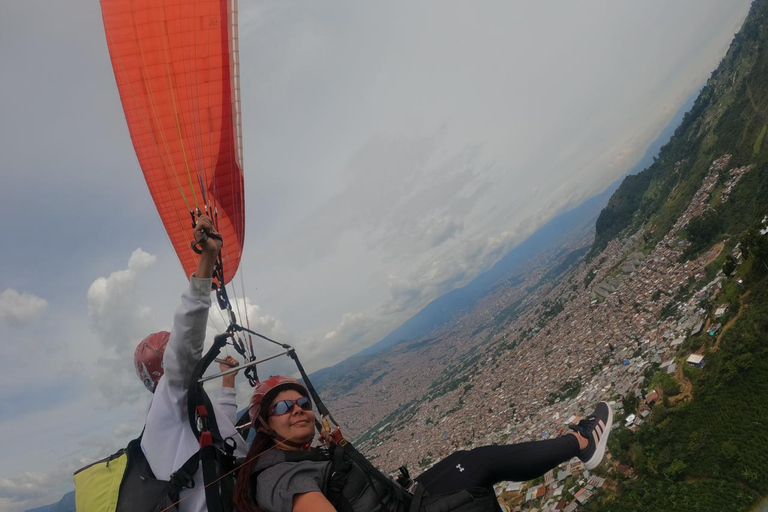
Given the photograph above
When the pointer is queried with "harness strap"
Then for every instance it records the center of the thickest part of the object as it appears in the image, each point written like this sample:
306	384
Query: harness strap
369	469
241	427
196	395
215	452
312	391
208	457
184	476
340	468
348	454
417	497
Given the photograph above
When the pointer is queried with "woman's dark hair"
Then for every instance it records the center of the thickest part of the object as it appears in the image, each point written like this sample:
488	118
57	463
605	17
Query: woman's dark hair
241	497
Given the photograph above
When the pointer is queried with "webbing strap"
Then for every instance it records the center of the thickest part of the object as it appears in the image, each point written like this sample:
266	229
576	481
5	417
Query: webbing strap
210	475
417	497
312	391
369	469
196	395
208	455
340	467
344	451
184	476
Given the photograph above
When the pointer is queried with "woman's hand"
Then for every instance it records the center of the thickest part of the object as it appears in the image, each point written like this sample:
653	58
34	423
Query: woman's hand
203	228
228	381
324	437
312	502
208	244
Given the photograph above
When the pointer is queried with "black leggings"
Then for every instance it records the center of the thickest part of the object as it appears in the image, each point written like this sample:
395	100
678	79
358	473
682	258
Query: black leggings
487	465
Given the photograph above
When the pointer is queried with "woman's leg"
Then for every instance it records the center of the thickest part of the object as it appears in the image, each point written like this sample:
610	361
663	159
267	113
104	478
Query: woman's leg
487	465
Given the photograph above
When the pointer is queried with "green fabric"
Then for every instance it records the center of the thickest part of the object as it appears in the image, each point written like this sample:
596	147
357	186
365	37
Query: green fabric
97	486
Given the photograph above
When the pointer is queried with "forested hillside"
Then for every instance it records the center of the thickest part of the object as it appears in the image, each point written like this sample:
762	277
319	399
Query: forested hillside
708	452
729	116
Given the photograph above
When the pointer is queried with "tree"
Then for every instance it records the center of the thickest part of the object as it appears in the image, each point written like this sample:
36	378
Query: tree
630	403
675	470
729	266
703	229
751	475
755	245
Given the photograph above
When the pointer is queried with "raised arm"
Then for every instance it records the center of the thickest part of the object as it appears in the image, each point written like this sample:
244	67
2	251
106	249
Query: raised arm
185	347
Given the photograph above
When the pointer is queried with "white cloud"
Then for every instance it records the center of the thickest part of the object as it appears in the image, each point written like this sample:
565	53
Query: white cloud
455	265
31	489
24	486
113	308
19	309
403	294
120	322
354	332
354	328
249	315
438	230
124	430
37	476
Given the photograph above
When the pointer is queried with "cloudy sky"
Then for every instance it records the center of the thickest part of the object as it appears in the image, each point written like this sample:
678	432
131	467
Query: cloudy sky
393	150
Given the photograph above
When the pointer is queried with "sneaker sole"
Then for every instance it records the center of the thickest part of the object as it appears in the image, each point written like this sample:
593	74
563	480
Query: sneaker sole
597	457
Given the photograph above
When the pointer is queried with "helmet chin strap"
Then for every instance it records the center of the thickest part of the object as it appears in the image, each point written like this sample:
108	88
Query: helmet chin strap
266	429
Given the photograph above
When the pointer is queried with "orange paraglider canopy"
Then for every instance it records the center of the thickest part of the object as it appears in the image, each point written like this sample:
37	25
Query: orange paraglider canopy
175	63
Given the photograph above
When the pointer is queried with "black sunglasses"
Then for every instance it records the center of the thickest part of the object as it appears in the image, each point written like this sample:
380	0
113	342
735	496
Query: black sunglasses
286	406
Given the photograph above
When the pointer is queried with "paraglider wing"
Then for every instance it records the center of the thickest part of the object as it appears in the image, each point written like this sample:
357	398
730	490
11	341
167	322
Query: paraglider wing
176	68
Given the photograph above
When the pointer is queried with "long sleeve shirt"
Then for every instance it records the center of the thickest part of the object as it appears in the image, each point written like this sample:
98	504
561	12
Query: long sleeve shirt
168	440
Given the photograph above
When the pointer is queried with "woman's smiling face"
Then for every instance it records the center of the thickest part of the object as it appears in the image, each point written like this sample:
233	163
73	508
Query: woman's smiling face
297	425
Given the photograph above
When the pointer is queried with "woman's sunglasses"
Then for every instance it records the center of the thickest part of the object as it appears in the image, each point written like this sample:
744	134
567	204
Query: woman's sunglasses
286	406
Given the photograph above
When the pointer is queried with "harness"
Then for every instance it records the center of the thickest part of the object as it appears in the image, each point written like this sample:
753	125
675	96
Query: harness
216	454
347	485
353	484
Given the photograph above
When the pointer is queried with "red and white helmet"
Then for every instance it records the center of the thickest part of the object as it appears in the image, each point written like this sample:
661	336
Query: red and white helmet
148	358
269	388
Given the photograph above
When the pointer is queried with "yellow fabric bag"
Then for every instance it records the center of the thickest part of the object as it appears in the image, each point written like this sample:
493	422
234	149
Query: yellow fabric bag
97	486
124	482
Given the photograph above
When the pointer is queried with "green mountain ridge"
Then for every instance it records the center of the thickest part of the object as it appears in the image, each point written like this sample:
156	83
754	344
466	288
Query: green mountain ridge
708	453
730	115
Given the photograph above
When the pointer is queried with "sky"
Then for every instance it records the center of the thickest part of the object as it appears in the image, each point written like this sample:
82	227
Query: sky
392	151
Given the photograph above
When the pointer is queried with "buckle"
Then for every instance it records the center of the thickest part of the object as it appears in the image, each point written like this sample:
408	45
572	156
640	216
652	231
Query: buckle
181	479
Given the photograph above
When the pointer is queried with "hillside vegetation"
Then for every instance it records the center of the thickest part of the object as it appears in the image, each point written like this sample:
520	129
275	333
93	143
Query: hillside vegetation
709	453
729	116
